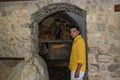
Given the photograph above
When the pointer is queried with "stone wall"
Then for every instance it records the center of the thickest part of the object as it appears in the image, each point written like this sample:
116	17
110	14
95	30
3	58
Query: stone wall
15	34
15	40
103	40
102	23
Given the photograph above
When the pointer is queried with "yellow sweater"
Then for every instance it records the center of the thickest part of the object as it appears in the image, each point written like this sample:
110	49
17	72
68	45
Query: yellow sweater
78	54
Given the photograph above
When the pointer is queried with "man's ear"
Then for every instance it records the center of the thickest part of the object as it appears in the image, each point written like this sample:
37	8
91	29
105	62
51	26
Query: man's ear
78	32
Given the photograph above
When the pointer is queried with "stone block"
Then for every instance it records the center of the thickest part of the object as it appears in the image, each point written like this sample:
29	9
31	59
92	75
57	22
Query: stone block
101	27
117	59
95	76
115	75
92	58
113	49
93	68
93	50
103	58
114	67
60	1
103	67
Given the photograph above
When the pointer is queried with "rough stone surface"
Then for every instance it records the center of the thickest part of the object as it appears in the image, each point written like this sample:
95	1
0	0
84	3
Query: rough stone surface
34	69
102	34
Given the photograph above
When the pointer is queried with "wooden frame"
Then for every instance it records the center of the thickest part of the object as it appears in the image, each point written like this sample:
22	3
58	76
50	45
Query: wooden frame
117	8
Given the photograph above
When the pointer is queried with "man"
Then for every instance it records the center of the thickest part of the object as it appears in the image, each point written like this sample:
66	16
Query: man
77	64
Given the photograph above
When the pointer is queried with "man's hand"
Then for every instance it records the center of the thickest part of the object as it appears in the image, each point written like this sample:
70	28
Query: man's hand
77	74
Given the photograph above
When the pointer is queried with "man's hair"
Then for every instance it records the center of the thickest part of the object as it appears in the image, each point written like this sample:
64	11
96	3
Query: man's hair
76	28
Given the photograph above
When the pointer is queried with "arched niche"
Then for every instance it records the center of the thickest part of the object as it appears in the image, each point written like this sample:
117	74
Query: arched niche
77	15
69	12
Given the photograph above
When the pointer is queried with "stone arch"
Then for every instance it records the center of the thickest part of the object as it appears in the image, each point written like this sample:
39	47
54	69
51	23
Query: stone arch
48	10
56	7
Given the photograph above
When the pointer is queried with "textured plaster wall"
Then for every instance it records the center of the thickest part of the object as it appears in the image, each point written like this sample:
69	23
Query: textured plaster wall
103	29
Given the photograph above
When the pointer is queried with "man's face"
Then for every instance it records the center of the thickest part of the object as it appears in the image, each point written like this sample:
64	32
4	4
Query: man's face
74	32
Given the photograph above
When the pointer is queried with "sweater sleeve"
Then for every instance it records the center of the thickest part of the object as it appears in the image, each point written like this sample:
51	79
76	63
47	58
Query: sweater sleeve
81	51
